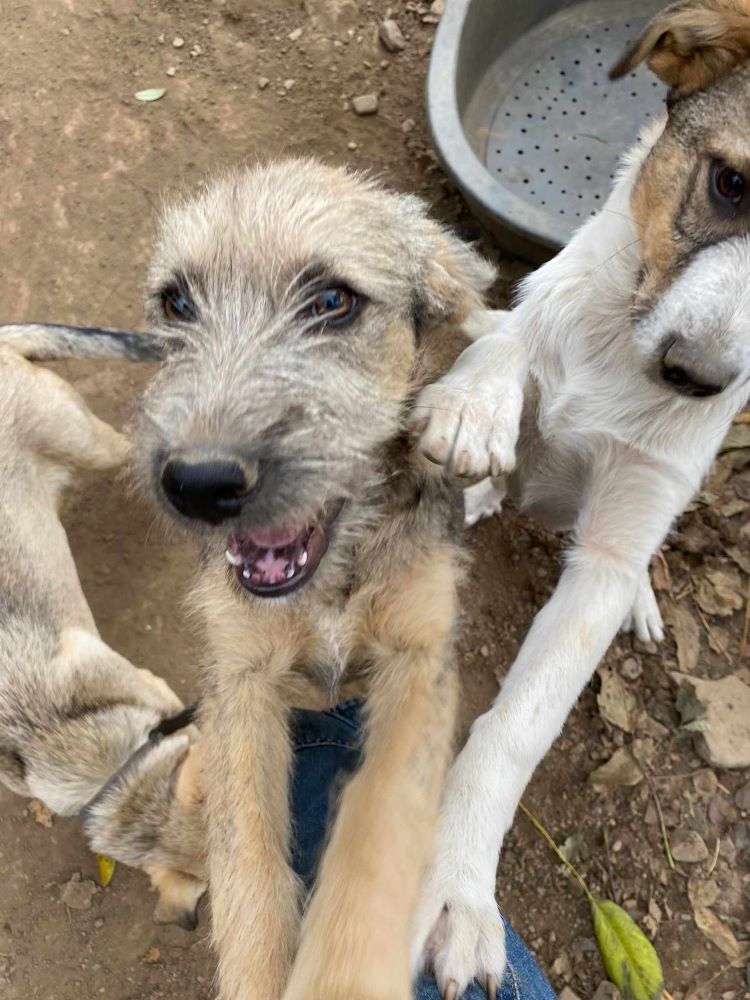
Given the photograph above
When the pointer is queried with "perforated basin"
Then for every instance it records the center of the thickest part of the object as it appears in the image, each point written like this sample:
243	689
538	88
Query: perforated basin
524	116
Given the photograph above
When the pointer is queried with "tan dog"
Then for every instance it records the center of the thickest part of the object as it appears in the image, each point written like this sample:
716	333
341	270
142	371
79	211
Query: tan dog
75	717
308	306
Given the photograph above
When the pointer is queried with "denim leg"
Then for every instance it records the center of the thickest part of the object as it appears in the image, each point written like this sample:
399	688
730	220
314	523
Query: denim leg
327	747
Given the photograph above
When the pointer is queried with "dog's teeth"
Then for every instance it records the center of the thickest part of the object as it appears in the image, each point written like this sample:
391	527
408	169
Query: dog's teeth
302	561
246	574
290	573
232	559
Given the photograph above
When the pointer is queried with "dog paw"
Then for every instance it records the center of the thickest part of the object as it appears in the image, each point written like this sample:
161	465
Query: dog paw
465	943
644	618
469	430
481	500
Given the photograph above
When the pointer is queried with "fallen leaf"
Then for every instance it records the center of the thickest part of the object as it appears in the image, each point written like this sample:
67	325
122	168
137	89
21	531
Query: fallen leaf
719	592
617	703
702	892
717	933
726	708
738	437
660	579
41	813
152	956
620	770
629	957
741	557
106	868
731	507
687	636
153	94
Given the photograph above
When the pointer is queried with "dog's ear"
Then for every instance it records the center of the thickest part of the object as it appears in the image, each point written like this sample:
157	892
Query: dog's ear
691	44
179	896
452	282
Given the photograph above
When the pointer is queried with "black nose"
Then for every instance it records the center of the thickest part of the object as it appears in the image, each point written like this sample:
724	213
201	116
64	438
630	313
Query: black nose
692	370
207	491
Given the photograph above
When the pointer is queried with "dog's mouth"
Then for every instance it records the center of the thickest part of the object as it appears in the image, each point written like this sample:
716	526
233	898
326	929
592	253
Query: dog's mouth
272	562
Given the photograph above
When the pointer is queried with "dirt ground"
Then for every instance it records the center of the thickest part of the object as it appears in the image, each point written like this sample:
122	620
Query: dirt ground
82	168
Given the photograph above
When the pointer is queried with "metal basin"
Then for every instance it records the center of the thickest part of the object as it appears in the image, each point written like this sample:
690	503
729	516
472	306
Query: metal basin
524	117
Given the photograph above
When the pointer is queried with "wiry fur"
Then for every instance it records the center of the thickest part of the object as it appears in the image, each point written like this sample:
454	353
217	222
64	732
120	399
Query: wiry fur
73	711
562	400
321	411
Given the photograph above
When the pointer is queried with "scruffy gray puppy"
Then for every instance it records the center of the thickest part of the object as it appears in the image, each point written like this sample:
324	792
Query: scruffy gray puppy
81	728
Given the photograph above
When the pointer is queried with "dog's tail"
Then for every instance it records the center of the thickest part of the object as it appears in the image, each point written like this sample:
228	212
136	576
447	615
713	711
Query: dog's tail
49	342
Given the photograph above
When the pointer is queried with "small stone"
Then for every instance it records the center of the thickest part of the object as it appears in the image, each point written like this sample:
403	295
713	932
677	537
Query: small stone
77	893
171	71
99	923
178	42
263	82
607	991
351	145
161	39
407	125
288	84
391	36
567	994
196	51
294	36
688	847
365	104
702	892
631	669
742	798
562	967
484	651
437	8
152	956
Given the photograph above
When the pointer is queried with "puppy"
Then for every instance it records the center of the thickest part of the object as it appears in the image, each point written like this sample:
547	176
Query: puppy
623	366
305	307
75	717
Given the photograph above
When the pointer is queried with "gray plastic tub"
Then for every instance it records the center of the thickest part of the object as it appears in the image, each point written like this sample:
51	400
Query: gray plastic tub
524	117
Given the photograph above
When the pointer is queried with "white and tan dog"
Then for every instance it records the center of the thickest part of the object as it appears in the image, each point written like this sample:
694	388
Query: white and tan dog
599	403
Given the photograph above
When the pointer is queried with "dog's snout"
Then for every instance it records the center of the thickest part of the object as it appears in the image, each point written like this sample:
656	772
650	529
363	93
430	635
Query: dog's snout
211	491
691	372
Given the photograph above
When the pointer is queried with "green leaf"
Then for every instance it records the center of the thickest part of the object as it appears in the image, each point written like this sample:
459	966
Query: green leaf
154	94
629	957
697	726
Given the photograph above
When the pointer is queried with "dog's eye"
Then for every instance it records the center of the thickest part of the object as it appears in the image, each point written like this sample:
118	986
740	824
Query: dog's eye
177	306
335	305
728	185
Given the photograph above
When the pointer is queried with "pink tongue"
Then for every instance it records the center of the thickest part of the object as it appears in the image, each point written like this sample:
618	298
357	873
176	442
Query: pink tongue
270	567
267	538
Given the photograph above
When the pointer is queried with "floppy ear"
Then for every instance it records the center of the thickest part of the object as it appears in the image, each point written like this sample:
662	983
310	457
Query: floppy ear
453	281
691	44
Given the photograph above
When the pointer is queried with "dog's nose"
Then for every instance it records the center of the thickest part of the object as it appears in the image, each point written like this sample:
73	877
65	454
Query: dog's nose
690	372
210	491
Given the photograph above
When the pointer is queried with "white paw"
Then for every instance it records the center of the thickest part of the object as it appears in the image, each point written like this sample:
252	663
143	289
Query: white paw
644	618
481	500
465	942
469	427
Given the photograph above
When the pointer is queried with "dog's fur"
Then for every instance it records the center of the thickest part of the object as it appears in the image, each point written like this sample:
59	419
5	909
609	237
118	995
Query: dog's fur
73	712
315	414
607	448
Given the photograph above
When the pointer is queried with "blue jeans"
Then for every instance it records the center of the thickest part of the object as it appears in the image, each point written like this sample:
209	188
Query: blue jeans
326	750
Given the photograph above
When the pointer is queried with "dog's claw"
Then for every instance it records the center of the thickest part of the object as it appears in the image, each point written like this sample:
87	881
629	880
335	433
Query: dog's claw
491	988
495	467
451	991
462	465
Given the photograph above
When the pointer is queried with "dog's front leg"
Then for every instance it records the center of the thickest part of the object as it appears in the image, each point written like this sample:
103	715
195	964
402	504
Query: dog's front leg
356	934
246	760
470	418
630	505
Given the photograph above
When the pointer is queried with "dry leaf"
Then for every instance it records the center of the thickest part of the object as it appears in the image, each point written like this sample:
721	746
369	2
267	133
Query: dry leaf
41	813
106	868
153	94
719	592
617	703
741	557
620	770
686	635
738	437
726	707
152	956
660	579
702	892
717	933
